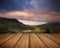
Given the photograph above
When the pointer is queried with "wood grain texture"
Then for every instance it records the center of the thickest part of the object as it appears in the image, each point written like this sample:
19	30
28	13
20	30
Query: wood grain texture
23	42
36	42
48	42
10	43
29	40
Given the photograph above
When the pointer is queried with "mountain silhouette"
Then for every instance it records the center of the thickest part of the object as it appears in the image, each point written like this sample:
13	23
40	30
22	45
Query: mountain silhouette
53	27
12	26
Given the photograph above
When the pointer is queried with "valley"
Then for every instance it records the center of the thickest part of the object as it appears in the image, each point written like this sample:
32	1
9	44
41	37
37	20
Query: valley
14	26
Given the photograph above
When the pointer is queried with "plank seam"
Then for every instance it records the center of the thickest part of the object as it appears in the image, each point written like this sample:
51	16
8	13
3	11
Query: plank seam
29	45
7	40
17	41
4	36
55	37
52	40
42	41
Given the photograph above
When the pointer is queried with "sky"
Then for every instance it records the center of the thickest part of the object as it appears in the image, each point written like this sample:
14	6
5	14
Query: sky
31	22
31	10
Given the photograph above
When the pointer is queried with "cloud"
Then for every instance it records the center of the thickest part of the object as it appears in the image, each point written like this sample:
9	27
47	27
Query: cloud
11	5
37	10
14	14
48	16
31	22
44	5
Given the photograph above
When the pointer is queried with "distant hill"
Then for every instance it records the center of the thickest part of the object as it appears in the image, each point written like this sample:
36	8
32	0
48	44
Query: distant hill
53	27
12	26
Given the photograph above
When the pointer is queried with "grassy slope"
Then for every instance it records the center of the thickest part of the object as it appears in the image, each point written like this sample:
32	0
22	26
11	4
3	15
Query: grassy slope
12	26
51	27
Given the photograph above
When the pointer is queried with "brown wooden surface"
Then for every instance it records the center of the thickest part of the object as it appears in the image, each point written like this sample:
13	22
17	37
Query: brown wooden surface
29	40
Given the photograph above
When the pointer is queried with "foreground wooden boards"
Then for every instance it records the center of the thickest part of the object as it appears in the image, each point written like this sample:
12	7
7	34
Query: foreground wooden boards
36	42
23	42
49	43
29	40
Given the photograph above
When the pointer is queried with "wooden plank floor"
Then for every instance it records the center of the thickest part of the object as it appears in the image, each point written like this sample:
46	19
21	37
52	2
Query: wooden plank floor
29	40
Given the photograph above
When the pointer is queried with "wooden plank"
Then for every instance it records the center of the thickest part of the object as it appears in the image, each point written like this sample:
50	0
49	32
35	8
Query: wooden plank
56	35
36	42
3	35
57	40
48	42
10	43
5	39
23	42
30	41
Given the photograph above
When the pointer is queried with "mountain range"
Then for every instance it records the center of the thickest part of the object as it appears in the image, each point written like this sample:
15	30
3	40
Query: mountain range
52	27
12	26
8	25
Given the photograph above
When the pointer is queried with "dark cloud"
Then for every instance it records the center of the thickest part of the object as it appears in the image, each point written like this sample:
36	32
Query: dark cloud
53	5
11	4
38	10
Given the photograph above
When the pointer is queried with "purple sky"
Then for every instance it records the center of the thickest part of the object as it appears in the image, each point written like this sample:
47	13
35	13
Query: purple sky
31	10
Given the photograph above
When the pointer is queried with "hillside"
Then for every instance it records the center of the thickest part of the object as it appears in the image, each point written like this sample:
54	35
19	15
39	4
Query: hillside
12	26
53	27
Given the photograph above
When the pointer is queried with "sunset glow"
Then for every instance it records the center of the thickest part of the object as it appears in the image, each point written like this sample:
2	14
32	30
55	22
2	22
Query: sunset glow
31	10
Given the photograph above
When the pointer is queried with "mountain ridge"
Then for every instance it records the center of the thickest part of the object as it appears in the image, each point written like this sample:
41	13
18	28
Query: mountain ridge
12	25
